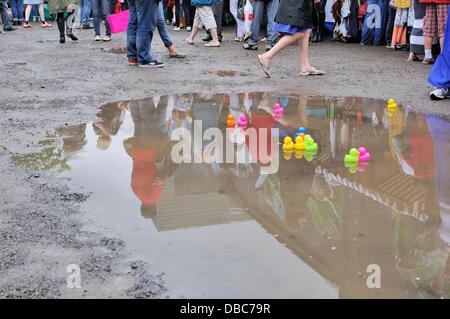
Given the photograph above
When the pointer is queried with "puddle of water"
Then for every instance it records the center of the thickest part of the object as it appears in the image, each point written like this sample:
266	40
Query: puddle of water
309	230
115	50
222	73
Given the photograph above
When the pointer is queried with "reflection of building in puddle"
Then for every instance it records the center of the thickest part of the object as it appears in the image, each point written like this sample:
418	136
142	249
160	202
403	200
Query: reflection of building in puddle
191	200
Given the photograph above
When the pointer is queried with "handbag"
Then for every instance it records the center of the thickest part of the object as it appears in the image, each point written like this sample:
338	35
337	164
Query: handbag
118	22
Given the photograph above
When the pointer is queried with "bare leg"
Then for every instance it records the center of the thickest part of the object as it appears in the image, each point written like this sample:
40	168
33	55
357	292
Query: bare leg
283	43
193	33
213	32
428	43
28	12
304	53
41	12
441	42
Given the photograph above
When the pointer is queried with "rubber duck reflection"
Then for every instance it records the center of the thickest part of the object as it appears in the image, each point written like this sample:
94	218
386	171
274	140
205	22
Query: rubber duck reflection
150	150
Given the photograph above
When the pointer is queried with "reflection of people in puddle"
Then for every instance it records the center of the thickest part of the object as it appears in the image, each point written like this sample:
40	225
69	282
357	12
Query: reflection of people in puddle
423	249
326	206
110	120
150	150
415	148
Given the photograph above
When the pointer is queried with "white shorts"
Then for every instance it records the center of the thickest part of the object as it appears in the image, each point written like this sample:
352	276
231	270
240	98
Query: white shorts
204	16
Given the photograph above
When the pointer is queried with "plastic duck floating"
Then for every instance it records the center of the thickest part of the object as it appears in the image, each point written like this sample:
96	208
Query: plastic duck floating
230	121
299	143
288	145
310	144
357	159
242	121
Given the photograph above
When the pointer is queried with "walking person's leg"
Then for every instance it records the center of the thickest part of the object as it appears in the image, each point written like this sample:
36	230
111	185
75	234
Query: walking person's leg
60	24
164	34
208	19
218	12
85	12
429	31
70	21
7	24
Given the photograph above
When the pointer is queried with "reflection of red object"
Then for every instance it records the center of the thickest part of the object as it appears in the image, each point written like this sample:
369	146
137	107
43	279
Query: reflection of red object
421	158
118	7
258	121
143	177
359	118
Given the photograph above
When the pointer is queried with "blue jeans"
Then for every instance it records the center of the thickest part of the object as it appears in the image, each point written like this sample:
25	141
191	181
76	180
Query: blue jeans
100	11
141	25
373	30
162	27
86	7
258	13
17	9
4	14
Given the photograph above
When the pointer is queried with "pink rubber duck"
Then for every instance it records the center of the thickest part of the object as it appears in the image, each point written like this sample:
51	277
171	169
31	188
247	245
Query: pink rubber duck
242	122
364	156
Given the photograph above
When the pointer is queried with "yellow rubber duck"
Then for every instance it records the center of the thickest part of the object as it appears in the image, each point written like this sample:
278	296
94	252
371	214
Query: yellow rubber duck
288	145
299	143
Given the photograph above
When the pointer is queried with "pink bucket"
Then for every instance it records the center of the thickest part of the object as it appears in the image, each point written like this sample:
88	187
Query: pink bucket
118	22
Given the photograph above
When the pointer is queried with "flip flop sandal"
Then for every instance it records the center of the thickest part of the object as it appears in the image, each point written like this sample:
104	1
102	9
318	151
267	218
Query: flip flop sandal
247	46
312	72
415	58
45	25
189	41
27	25
264	67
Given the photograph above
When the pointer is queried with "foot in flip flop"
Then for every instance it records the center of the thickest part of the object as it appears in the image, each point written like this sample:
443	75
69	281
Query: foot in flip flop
189	41
312	71
264	65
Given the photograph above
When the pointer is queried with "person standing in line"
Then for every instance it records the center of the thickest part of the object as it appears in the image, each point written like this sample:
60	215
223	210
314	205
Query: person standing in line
100	12
85	11
29	4
318	31
416	40
294	23
433	25
440	73
7	26
17	11
240	25
59	8
391	11
271	7
141	26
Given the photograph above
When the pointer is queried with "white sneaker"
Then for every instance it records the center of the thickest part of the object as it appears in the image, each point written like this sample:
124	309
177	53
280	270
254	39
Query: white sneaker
439	94
177	29
97	38
189	29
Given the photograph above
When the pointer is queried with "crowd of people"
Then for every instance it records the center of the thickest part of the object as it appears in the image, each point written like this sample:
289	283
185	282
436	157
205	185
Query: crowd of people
417	26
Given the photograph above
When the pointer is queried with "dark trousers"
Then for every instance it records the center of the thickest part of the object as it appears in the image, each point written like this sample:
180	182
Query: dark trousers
4	14
390	24
218	12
